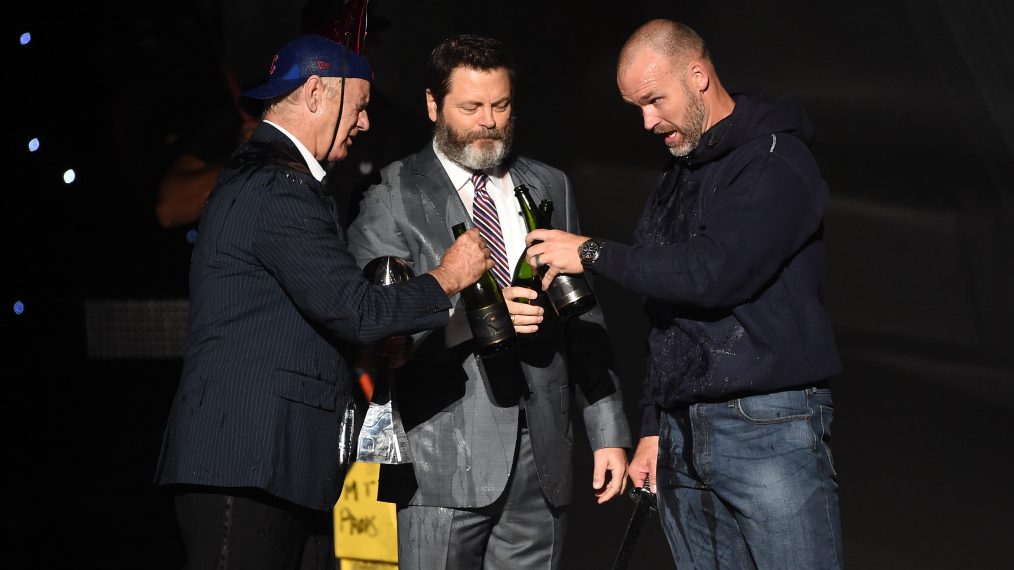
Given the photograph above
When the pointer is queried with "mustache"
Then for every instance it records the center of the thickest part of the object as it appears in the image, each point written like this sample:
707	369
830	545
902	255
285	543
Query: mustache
485	134
664	129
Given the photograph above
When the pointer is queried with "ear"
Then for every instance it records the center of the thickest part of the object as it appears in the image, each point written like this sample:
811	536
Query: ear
313	93
698	77
431	106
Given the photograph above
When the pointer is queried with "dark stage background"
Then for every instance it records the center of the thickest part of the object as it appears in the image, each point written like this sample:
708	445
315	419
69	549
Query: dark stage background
914	109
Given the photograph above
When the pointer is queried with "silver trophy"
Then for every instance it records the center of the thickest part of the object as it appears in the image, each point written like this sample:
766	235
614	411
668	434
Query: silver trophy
382	438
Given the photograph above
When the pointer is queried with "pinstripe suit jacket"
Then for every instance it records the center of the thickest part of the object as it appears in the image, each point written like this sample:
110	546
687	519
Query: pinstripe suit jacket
460	411
275	300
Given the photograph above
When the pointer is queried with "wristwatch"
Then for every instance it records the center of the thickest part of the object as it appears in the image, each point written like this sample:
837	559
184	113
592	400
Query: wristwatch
589	252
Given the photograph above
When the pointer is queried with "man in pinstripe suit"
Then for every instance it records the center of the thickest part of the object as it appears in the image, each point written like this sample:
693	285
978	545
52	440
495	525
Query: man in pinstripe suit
255	437
490	444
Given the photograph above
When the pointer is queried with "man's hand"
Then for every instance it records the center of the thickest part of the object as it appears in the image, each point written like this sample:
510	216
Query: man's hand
558	250
389	352
463	263
525	316
645	459
614	461
392	351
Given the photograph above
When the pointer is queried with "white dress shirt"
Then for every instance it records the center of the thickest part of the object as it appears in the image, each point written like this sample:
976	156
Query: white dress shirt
315	168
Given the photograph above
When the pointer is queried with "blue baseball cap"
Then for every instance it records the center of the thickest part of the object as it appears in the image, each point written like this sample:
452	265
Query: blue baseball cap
306	56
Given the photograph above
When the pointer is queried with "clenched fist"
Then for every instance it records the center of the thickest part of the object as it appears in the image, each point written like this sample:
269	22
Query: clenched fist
463	263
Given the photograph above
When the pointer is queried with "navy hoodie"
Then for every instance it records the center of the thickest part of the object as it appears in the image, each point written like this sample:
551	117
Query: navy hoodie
730	257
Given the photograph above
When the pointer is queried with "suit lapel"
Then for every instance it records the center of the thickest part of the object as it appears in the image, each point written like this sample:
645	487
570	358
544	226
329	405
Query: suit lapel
441	206
521	174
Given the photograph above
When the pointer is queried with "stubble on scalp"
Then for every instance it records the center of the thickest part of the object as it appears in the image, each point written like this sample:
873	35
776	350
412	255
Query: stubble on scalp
673	40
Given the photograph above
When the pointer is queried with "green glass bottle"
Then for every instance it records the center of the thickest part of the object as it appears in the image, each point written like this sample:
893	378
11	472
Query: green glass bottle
568	294
492	330
524	274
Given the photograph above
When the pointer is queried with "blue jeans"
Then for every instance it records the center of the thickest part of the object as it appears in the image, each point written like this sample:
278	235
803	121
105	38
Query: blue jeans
750	483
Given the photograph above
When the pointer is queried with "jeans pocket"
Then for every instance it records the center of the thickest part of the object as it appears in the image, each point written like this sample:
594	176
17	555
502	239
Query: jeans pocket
826	418
777	407
670	467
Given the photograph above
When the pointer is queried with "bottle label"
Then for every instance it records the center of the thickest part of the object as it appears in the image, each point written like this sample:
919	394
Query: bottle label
490	325
566	290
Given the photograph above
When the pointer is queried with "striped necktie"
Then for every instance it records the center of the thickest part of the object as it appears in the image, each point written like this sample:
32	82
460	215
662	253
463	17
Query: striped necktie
485	217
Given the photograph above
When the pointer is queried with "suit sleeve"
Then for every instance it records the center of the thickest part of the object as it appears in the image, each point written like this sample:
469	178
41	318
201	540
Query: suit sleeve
375	232
296	239
591	364
756	223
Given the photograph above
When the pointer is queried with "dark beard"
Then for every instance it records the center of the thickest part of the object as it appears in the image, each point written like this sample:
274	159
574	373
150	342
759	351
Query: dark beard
487	155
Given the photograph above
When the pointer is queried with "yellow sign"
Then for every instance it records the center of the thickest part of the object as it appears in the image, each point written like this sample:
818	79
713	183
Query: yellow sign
365	530
347	564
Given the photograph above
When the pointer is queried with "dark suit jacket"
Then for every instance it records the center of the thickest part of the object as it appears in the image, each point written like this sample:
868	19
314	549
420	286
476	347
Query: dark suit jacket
460	411
274	294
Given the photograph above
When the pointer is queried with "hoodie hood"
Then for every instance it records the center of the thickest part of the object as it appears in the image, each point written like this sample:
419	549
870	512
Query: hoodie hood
753	116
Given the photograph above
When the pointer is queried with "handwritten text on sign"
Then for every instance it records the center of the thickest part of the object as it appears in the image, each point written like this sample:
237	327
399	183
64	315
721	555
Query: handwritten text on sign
364	528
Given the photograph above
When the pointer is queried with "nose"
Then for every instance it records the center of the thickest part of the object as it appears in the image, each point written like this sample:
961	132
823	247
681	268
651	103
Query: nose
649	117
363	122
486	118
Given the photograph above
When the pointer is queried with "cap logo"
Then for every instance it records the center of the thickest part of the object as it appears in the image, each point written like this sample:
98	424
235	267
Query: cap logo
271	70
323	64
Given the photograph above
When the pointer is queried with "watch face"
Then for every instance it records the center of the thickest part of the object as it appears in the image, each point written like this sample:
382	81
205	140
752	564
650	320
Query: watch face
589	250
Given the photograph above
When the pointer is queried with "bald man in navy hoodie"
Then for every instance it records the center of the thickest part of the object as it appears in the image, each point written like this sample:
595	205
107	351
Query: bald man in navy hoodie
730	257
